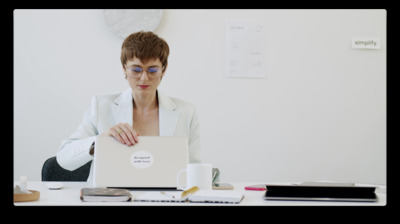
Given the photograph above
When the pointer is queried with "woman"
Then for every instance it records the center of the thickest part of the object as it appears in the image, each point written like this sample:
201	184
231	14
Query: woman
140	110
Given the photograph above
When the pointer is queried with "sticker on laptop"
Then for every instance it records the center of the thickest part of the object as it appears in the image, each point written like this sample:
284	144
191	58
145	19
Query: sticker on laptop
142	159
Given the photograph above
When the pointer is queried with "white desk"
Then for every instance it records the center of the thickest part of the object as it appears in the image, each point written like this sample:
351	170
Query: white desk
70	193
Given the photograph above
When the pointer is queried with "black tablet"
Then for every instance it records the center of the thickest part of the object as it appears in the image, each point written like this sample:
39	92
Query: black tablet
320	193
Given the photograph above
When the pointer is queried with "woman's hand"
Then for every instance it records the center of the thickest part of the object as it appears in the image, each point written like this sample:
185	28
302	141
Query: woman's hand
124	133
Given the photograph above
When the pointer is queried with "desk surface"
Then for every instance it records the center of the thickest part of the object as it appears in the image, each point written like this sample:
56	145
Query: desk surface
70	193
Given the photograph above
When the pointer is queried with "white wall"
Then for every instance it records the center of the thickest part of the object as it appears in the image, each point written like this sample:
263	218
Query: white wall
319	114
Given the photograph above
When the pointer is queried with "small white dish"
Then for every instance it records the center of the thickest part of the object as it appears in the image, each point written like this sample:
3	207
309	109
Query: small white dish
54	185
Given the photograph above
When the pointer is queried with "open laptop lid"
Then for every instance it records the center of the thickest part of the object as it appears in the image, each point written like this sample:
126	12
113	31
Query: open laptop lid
151	163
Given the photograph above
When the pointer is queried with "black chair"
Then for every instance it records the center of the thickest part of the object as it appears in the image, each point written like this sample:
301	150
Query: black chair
52	171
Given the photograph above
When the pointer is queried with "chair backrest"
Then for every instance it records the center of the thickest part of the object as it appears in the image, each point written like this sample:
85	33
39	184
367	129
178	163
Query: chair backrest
52	171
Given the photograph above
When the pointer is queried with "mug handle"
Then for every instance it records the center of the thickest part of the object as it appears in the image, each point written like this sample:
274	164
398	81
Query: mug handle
178	178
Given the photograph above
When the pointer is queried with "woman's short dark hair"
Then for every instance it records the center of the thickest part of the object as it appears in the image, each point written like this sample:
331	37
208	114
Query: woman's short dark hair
145	46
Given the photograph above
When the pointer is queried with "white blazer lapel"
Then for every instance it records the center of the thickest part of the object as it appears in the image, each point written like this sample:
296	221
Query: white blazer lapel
168	115
123	108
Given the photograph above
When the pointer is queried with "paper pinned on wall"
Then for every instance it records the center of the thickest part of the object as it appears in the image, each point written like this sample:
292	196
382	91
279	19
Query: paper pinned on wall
244	49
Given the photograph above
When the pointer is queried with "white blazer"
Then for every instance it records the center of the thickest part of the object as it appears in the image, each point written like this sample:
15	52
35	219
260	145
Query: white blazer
176	117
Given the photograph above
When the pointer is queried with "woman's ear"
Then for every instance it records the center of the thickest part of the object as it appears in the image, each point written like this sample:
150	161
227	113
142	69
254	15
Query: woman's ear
163	70
123	69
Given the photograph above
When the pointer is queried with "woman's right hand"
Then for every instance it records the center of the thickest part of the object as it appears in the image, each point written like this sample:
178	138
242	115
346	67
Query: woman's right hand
124	133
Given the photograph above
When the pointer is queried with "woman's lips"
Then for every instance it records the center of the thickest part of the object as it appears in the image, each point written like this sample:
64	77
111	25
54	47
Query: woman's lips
144	86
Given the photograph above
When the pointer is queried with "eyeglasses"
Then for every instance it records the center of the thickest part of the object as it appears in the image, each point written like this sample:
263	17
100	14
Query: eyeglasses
136	72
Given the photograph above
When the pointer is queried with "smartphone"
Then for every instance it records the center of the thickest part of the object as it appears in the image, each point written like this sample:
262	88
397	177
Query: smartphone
222	186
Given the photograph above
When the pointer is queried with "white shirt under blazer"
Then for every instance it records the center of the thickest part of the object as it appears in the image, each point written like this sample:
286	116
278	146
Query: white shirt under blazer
176	118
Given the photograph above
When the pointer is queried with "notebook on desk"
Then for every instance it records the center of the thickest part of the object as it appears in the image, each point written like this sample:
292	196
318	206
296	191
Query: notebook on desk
153	162
203	196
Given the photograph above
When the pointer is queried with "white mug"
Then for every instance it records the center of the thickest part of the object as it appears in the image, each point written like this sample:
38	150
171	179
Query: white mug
197	174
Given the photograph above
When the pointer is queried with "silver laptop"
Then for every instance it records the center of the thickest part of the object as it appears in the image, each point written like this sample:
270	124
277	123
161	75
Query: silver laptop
151	163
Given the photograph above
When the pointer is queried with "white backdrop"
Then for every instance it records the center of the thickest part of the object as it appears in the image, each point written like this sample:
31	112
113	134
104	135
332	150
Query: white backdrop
320	113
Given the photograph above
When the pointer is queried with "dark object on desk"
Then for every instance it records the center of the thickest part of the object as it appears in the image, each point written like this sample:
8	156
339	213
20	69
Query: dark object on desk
52	171
320	193
105	194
